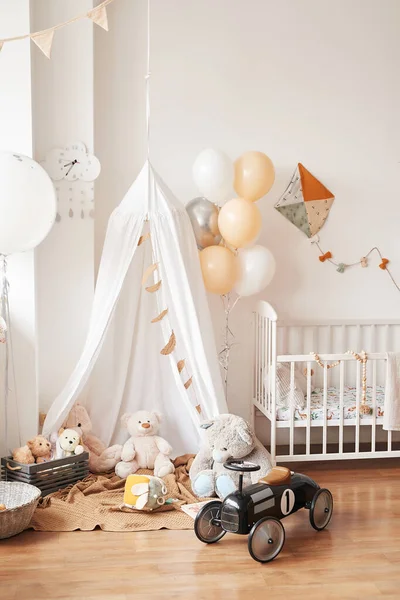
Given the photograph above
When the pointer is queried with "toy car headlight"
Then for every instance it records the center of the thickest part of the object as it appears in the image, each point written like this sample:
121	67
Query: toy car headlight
230	518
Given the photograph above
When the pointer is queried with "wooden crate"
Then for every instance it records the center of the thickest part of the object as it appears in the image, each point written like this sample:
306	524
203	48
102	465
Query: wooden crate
50	476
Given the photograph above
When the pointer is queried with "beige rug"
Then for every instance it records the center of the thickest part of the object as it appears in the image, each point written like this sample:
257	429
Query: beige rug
96	502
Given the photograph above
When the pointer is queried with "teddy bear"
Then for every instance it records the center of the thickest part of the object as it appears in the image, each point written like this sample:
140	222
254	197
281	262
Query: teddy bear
68	443
38	449
144	449
101	459
226	437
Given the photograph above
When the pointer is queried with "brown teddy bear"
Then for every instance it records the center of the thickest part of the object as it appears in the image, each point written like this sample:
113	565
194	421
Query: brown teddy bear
101	458
38	449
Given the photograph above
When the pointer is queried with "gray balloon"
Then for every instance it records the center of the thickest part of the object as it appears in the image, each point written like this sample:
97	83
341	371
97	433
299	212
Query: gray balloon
203	215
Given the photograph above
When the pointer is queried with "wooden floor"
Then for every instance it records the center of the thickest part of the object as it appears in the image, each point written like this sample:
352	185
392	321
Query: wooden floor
358	556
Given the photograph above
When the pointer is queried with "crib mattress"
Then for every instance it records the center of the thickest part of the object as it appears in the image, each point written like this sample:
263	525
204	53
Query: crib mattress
333	405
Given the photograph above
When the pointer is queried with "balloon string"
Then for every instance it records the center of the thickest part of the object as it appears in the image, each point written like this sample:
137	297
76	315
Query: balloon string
224	355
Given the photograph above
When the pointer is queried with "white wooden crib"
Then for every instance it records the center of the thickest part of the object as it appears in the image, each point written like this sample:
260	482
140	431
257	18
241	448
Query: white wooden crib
329	427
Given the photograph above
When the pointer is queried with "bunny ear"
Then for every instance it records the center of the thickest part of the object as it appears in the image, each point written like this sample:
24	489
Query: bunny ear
142	501
139	488
157	415
61	430
125	418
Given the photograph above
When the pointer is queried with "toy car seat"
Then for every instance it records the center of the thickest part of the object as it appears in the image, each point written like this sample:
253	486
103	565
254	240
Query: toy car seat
277	476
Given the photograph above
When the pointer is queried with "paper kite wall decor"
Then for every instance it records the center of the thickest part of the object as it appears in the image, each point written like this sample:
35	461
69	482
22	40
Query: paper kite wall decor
306	202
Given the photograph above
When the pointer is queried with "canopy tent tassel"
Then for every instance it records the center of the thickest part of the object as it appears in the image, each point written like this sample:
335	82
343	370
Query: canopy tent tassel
181	365
149	272
160	316
170	345
154	288
143	238
188	383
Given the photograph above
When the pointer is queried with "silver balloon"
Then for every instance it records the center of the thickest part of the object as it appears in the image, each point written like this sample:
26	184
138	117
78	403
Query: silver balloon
203	215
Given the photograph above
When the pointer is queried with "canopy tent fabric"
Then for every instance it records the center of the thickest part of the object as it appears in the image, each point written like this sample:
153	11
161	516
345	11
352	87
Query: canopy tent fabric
121	368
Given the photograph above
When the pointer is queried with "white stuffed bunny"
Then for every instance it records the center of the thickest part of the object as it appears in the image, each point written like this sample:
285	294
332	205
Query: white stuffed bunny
144	449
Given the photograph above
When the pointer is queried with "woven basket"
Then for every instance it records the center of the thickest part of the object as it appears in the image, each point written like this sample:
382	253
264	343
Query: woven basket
21	500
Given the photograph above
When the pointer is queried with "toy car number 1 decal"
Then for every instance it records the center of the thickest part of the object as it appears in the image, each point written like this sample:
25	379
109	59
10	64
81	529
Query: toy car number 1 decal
287	501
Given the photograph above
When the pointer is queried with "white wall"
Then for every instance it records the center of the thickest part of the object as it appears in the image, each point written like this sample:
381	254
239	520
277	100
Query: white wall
63	113
313	82
16	135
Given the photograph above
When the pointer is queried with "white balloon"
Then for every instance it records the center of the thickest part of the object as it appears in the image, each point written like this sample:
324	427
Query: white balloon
28	203
256	267
213	174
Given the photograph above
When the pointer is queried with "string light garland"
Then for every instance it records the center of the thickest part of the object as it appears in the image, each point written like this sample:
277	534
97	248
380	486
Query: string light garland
363	262
44	38
362	358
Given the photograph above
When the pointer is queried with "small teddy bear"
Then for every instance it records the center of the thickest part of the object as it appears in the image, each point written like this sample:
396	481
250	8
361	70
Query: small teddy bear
144	449
23	455
68	443
38	449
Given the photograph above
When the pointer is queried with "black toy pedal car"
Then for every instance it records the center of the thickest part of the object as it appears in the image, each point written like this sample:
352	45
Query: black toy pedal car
257	510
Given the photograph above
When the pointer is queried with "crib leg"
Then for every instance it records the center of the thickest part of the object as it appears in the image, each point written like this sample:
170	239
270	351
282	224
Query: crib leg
253	417
273	443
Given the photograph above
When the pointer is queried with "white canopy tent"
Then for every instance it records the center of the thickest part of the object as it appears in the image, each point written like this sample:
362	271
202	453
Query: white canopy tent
121	368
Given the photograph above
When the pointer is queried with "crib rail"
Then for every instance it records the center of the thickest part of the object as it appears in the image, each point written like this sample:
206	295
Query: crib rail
303	433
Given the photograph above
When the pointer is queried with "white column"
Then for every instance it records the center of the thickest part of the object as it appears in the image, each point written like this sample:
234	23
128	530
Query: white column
63	113
16	135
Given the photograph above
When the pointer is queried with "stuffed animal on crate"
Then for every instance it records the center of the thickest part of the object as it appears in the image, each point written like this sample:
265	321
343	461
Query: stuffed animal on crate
226	437
144	449
101	458
145	492
68	443
38	449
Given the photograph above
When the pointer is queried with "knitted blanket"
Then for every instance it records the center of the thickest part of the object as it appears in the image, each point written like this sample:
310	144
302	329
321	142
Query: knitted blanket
97	502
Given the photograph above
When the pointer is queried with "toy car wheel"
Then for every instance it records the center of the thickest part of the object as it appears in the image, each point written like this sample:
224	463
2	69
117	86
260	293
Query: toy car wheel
266	539
321	509
204	525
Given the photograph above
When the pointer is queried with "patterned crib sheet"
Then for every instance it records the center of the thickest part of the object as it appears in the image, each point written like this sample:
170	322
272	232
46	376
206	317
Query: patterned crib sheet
333	405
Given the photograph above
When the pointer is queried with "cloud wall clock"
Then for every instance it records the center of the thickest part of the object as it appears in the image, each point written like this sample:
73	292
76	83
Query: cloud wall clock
73	169
72	163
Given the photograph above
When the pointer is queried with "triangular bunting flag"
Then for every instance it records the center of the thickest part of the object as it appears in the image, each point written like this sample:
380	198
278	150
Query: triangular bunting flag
44	41
99	16
311	187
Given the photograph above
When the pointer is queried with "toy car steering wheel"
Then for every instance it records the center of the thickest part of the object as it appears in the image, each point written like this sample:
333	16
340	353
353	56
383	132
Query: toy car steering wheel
241	465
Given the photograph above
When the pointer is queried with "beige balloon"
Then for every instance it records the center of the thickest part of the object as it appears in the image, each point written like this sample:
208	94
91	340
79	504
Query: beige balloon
218	265
239	222
254	175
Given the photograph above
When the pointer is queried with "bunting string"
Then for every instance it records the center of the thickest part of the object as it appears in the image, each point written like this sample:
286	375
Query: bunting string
363	262
44	39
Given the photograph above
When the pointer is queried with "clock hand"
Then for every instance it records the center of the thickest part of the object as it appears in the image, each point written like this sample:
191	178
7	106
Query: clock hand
73	163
